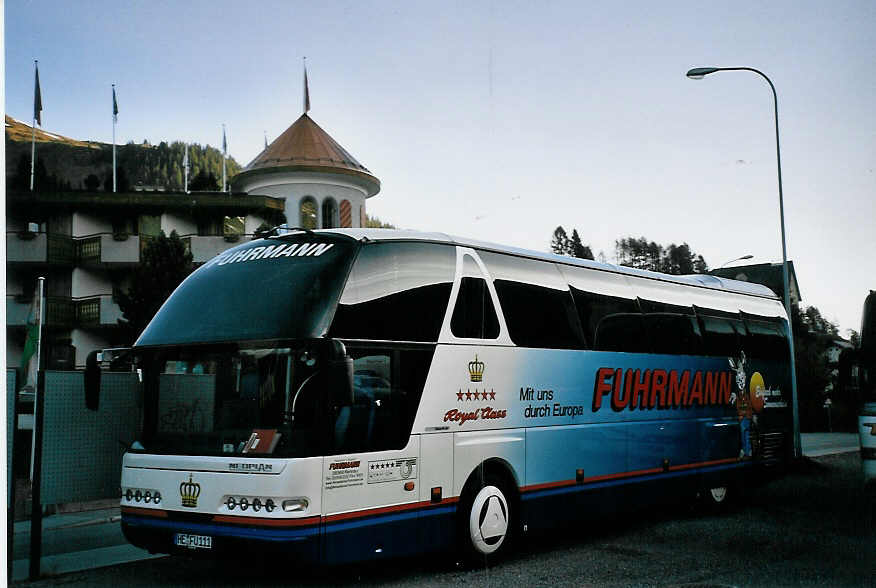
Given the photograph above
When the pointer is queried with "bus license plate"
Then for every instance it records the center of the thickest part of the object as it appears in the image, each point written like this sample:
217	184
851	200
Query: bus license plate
193	541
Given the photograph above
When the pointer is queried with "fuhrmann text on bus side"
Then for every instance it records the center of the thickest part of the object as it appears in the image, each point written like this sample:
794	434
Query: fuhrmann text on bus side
658	388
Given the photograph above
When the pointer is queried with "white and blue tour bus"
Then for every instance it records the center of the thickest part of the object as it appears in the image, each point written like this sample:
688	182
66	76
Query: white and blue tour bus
351	394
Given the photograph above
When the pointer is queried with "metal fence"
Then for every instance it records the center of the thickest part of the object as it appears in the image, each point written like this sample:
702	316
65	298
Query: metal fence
82	449
10	430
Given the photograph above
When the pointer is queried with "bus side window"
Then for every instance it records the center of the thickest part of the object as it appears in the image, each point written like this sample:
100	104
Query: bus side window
592	308
538	316
387	385
673	334
474	316
396	292
765	341
621	332
721	336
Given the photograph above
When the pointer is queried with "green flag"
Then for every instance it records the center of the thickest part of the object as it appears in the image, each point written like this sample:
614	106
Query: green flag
29	357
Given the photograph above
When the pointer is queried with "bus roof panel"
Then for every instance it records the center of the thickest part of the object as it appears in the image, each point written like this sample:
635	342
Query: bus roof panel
699	280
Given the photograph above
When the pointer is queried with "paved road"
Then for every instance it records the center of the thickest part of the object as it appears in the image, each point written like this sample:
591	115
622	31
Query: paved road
809	528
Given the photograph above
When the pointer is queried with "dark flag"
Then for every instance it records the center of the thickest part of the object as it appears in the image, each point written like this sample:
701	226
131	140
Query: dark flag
115	106
306	92
37	96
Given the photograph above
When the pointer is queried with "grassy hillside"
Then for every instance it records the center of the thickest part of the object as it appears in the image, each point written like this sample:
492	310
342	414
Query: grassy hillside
65	163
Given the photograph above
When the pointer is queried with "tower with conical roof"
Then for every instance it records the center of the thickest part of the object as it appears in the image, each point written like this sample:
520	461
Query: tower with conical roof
324	186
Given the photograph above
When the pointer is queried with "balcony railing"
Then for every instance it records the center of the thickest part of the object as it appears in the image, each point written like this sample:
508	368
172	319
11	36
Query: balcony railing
66	313
97	311
109	249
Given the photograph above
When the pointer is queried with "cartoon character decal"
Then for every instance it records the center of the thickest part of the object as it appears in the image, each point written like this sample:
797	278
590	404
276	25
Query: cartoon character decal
744	408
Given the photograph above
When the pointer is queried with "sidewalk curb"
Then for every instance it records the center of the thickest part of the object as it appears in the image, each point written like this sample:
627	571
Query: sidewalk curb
65	563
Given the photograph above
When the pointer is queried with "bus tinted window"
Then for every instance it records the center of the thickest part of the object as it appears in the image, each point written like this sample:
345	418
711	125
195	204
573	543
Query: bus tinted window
396	291
538	316
474	316
592	308
765	341
621	332
721	336
387	385
650	307
674	334
280	288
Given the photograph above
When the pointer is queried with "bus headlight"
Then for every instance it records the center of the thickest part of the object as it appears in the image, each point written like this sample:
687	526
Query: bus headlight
296	505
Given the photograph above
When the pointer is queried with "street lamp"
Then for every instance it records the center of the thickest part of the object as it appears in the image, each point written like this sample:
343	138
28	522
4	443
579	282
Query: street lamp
699	73
737	259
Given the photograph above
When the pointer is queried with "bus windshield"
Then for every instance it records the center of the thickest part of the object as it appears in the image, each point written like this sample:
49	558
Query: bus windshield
281	288
231	400
220	399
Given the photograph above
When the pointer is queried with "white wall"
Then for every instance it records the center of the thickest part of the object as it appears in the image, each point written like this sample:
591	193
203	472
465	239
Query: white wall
87	282
90	224
183	225
251	223
293	186
85	342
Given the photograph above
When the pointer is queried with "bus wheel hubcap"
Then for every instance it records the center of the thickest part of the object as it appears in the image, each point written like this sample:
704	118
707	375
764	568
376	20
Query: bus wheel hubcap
488	520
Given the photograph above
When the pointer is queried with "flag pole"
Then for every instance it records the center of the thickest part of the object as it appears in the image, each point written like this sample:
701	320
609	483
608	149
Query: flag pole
37	107
115	118
36	464
186	169
224	157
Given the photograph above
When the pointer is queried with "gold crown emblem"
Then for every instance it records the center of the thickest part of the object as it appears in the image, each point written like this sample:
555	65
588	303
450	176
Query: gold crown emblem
476	370
189	491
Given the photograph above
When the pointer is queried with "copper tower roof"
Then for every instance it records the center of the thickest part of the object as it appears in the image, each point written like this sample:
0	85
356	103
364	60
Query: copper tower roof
305	146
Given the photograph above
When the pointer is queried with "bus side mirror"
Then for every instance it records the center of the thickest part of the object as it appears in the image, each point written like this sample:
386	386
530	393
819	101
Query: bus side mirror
92	381
341	381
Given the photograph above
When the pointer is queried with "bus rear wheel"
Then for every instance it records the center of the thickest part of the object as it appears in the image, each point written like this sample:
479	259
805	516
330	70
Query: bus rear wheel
487	521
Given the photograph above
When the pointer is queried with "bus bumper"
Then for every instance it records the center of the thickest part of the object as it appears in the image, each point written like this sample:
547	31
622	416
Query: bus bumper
206	538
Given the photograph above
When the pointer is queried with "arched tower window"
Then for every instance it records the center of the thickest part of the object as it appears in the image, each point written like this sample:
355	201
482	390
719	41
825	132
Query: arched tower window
329	213
308	210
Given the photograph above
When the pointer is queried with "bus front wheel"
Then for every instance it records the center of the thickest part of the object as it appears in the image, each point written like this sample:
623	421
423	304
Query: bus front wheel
486	522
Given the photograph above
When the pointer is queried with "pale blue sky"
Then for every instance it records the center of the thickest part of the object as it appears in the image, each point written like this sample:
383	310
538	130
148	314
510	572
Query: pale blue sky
500	120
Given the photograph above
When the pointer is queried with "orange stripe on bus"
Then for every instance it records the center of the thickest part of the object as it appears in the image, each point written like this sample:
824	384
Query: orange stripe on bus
388	509
621	475
266	522
149	512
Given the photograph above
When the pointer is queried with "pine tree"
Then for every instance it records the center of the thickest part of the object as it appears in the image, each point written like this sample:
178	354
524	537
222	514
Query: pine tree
560	240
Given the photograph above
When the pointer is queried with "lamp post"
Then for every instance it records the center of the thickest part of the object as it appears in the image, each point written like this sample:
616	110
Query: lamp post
749	256
699	73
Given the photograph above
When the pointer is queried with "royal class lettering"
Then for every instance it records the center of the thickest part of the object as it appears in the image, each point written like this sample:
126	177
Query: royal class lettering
274	251
649	389
461	417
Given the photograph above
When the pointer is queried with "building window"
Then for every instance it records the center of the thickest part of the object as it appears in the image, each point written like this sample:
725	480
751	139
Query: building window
329	213
233	228
210	226
307	213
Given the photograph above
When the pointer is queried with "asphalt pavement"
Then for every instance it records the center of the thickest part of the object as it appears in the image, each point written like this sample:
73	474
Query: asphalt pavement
91	539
